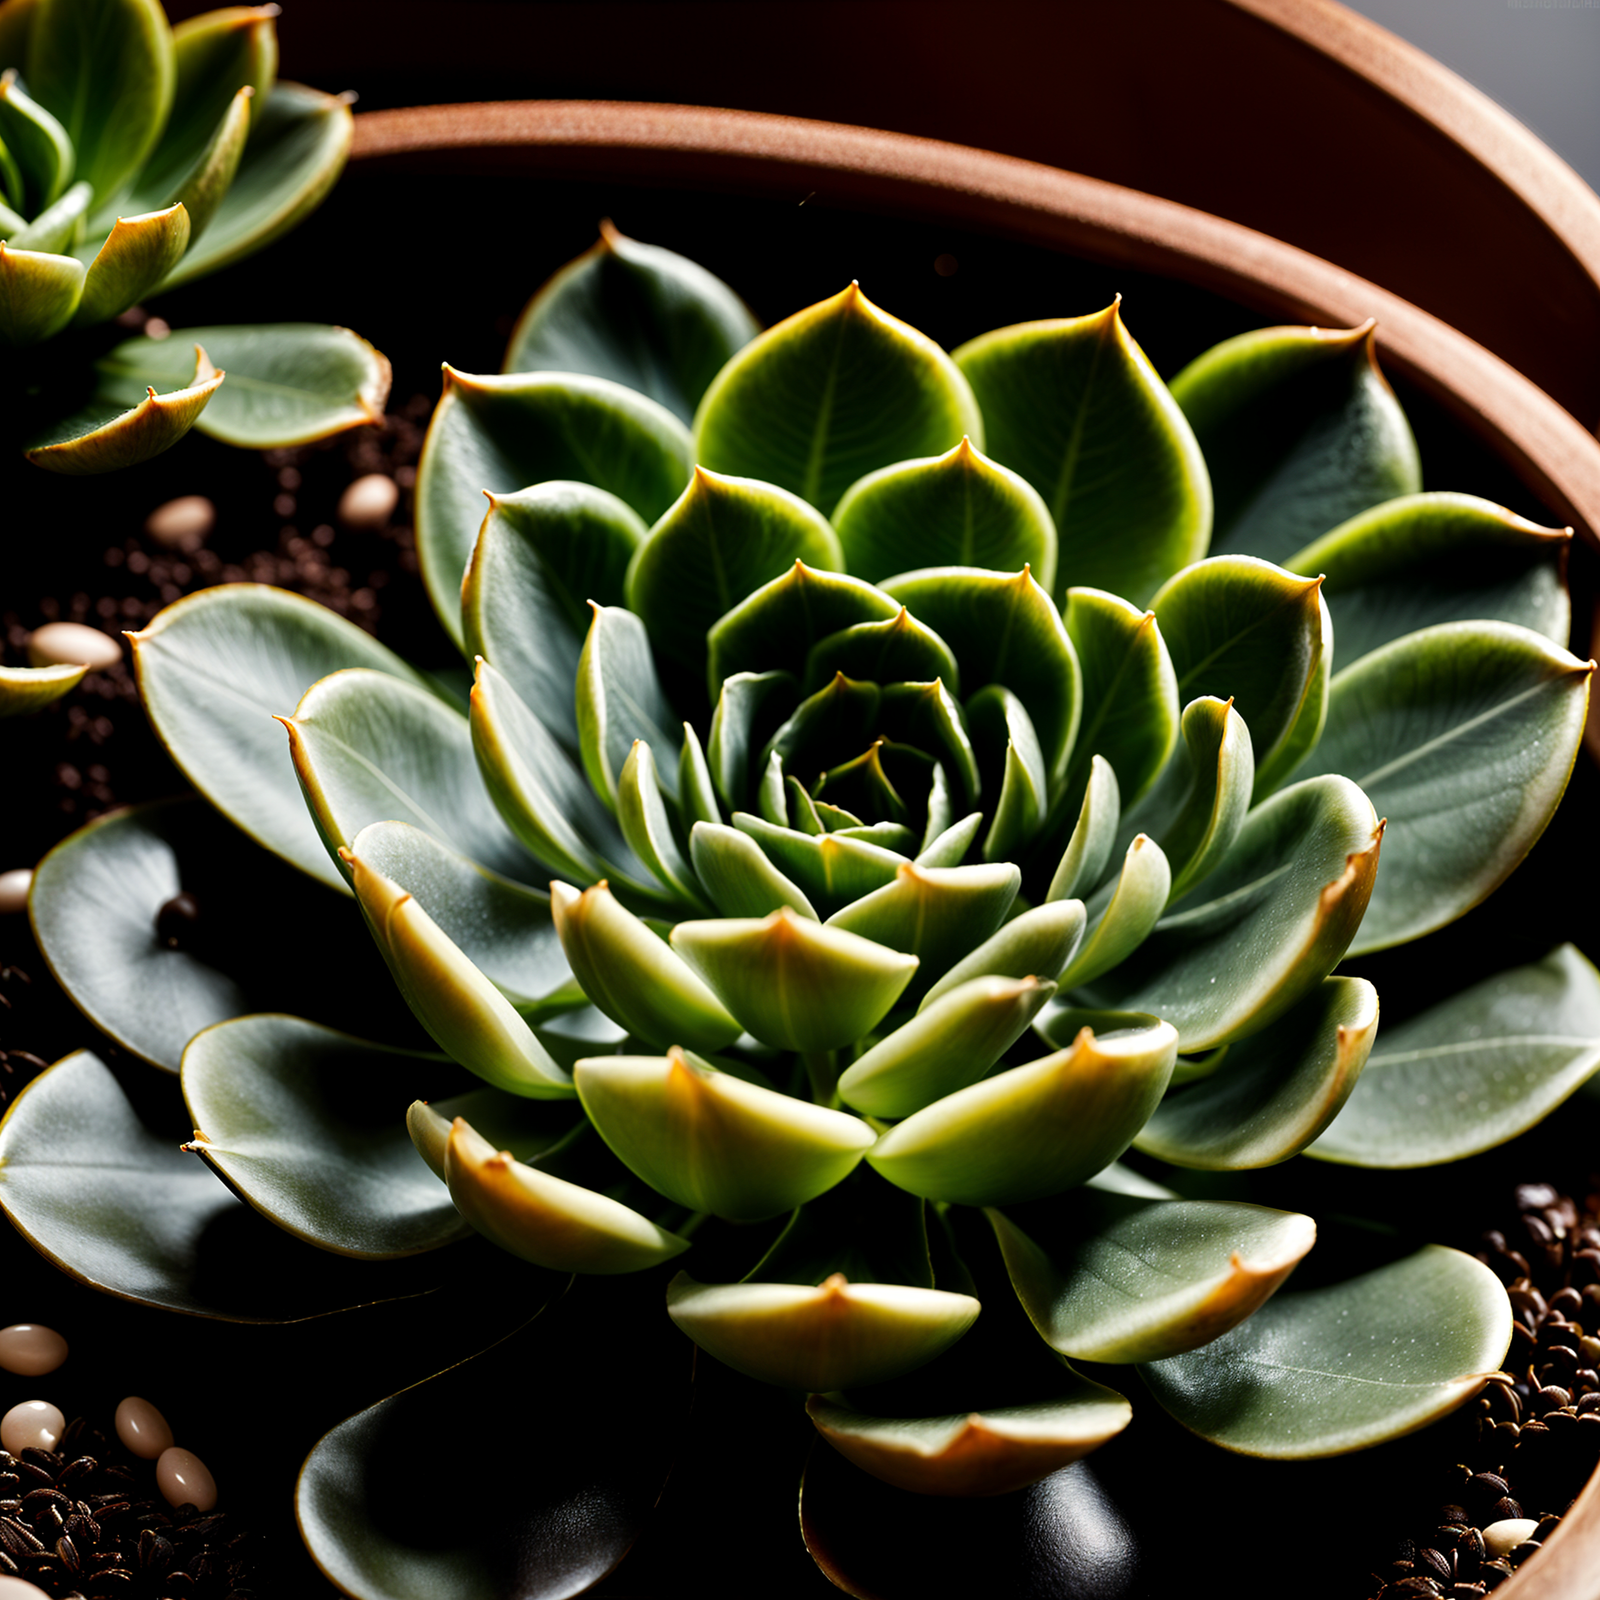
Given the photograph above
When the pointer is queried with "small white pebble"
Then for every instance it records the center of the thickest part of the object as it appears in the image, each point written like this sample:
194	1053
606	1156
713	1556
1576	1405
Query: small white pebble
1501	1537
14	886
142	1428
33	1425
29	1349
182	524
369	502
183	1479
20	1589
71	644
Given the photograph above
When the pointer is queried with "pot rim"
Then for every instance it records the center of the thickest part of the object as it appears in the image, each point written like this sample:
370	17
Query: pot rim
865	168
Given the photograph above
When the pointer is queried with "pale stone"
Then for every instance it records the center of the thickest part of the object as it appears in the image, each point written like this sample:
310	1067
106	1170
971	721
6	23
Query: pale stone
183	1479
369	502
71	644
1499	1538
29	1349
33	1425
182	524
14	886
142	1428
19	1589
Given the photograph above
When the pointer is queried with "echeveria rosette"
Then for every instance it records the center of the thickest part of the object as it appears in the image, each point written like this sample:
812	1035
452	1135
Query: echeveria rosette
135	157
818	852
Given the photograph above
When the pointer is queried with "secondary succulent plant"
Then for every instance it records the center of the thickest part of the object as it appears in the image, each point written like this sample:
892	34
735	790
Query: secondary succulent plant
849	717
135	157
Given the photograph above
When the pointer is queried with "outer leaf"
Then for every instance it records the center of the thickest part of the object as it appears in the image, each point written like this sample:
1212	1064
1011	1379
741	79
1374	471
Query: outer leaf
24	690
636	314
1463	737
960	509
368	747
1274	1092
1036	1129
1474	1070
105	69
117	1205
105	438
1245	631
994	1451
1107	1277
288	383
829	395
1292	892
720	541
1004	629
214	668
203	184
1300	432
1076	408
544	1219
1430	558
619	698
301	1122
713	1142
297	150
502	433
836	1335
795	984
38	294
543	553
1318	1372
137	255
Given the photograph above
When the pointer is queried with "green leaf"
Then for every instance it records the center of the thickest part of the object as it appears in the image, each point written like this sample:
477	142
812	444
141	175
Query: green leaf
288	383
24	690
545	1219
960	509
1093	836
111	1199
1463	737
990	1452
1075	407
105	69
720	542
103	437
1300	432
1035	943
1247	632
1036	1129
998	720
297	150
637	315
369	747
947	1045
467	1016
502	927
1123	913
738	874
39	292
1475	1070
53	229
831	869
634	976
750	703
830	394
304	1124
832	1336
1272	1093
215	668
218	55
896	650
1107	1277
794	983
1429	558
1317	1372
137	254
500	434
543	554
39	143
1130	693
1004	629
1292	892
619	698
713	1142
646	825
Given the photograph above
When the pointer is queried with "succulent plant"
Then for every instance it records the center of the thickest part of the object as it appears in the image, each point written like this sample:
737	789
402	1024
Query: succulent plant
893	785
135	157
